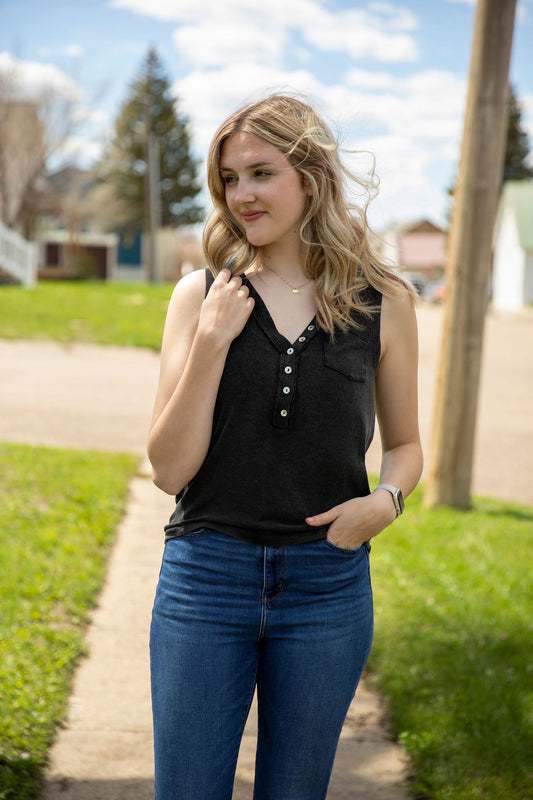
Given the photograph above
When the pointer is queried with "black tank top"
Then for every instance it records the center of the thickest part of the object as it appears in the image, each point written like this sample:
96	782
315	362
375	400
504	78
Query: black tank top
291	427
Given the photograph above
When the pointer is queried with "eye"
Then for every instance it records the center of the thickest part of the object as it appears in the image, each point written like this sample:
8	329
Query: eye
261	173
227	179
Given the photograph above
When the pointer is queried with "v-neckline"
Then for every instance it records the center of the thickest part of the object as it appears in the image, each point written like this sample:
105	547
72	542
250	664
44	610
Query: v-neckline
264	316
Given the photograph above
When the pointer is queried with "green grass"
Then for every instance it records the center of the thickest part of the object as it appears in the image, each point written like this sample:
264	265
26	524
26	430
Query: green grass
58	516
453	647
103	313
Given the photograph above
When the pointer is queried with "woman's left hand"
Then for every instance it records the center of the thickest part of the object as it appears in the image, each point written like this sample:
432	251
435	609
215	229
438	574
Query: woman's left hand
357	520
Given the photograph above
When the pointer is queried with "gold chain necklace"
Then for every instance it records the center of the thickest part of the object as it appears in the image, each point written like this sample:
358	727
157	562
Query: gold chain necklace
295	289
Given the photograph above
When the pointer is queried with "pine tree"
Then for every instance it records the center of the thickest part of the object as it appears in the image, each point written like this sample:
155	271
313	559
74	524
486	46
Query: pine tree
517	148
150	117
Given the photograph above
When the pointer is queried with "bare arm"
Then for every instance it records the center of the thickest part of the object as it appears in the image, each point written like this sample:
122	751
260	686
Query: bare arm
397	396
355	521
197	337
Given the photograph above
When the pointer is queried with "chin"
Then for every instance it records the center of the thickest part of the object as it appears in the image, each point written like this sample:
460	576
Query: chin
256	241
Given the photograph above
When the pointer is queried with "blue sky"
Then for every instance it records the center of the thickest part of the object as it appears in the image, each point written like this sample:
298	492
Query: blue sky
390	76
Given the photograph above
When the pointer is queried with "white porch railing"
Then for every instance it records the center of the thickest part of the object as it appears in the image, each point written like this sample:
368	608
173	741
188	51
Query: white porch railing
18	257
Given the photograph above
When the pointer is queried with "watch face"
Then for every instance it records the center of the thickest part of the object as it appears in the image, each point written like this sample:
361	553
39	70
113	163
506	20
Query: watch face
399	498
396	495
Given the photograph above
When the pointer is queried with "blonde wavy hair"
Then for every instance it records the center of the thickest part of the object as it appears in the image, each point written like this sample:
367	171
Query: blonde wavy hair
336	249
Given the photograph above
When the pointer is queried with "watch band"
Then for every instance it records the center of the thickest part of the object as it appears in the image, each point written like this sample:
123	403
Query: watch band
396	494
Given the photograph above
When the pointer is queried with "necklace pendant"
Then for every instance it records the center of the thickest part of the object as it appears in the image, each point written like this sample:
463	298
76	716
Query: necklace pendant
296	291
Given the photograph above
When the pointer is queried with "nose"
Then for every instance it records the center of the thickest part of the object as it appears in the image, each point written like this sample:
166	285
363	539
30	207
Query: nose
243	192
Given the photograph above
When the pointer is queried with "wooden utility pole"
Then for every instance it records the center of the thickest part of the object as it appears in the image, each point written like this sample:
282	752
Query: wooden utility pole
469	257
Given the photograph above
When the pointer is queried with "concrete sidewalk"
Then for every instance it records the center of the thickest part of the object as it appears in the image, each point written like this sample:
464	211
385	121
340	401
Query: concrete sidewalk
86	396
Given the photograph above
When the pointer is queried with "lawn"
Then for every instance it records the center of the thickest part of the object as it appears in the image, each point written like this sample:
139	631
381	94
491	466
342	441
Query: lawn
103	313
453	647
59	512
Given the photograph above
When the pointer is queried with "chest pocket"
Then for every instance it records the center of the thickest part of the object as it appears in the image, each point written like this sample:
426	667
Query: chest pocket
349	355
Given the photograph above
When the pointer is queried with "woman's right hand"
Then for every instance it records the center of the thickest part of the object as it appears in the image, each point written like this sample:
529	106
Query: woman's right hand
225	310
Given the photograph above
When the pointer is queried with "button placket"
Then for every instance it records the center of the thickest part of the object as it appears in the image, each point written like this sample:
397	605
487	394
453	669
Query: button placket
287	379
285	391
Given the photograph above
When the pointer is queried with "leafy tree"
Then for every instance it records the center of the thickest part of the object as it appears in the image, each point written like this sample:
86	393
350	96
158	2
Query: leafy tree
149	119
517	148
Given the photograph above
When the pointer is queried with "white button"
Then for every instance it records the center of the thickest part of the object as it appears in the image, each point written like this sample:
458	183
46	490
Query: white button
310	327
301	339
286	389
288	370
284	412
290	351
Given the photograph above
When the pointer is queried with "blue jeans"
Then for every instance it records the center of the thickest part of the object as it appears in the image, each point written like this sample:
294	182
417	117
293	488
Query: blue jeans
296	622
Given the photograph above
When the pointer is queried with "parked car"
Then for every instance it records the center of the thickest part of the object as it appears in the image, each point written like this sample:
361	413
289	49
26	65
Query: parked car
435	291
417	279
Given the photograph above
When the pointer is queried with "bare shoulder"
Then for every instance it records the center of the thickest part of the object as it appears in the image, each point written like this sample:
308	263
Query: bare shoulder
190	289
398	319
186	300
401	303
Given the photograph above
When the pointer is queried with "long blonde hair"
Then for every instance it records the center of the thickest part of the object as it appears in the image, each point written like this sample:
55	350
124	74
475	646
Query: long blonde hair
336	249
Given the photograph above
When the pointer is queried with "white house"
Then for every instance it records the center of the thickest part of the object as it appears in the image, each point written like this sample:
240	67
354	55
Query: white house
512	279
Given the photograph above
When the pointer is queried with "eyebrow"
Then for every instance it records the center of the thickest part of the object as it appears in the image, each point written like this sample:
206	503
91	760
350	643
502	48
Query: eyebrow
250	166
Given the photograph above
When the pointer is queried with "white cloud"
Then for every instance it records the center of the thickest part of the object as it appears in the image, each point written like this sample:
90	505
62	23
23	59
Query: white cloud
74	51
160	9
187	11
208	96
206	44
81	150
405	190
381	31
377	32
364	79
32	80
425	106
299	13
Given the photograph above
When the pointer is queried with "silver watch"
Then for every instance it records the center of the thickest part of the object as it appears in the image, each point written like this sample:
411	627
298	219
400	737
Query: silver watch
397	496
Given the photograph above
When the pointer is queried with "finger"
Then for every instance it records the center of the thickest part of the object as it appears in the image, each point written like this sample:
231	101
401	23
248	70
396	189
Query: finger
325	518
236	280
223	276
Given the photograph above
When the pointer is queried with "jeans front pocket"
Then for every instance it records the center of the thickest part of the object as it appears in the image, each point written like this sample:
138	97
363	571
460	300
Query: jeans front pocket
346	551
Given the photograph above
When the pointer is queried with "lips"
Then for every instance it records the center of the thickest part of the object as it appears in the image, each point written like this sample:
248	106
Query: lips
251	216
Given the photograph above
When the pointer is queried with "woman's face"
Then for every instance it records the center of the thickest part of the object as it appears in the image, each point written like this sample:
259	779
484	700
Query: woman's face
264	192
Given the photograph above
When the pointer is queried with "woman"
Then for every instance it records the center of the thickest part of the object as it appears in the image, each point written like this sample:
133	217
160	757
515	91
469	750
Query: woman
273	362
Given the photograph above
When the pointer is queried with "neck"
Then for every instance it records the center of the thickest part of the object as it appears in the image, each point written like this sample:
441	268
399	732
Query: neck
291	270
284	258
294	279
